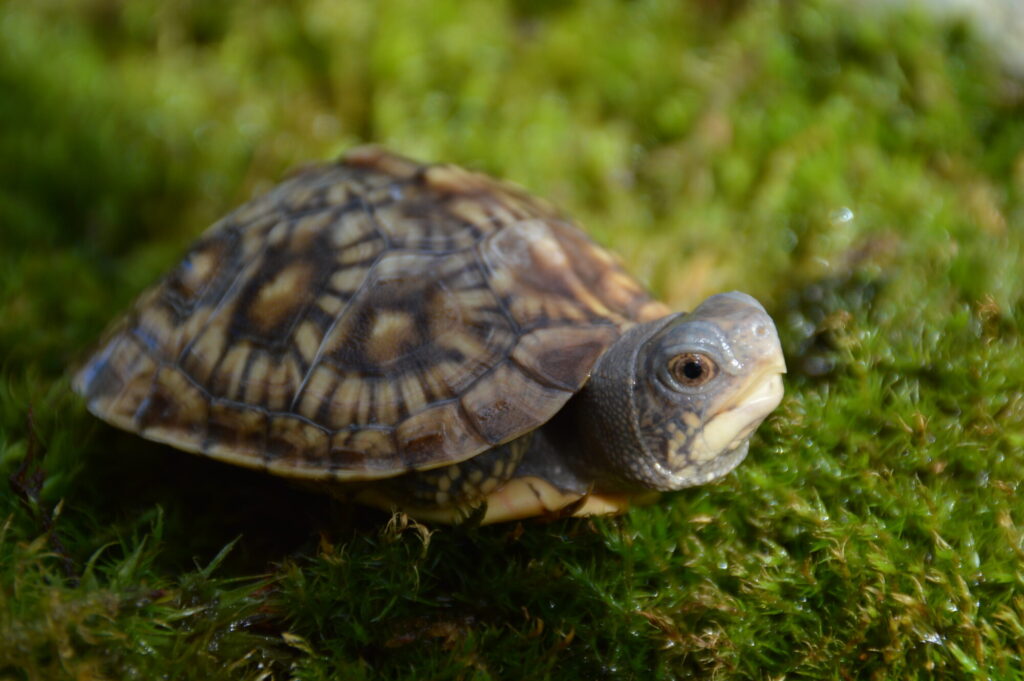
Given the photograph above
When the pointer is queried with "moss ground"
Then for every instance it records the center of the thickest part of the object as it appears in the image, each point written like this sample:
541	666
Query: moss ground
861	173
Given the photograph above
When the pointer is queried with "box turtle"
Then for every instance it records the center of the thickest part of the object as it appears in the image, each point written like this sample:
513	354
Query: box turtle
429	339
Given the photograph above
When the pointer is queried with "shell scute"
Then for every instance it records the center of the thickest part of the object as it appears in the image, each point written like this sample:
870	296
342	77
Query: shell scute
510	403
173	408
439	433
234	428
294	444
561	357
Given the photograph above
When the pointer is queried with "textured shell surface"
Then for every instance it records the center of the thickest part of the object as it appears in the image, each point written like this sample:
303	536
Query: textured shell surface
366	318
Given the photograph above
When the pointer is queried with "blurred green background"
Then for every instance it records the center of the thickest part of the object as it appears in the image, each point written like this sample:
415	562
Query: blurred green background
858	169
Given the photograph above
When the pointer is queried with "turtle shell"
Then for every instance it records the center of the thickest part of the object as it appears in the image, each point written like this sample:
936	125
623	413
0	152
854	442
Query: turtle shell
363	319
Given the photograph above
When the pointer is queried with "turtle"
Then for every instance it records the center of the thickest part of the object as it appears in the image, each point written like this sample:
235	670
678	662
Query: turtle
424	338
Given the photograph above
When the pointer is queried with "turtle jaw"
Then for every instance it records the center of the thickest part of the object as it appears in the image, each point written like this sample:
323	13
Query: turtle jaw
723	441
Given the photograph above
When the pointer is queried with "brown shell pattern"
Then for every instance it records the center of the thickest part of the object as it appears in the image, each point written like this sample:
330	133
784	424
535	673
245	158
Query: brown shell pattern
363	319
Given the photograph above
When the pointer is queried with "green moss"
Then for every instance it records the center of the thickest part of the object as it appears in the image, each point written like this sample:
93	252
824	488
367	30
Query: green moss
862	173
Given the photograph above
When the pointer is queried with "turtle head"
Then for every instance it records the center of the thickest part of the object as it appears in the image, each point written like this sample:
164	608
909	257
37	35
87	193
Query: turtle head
674	402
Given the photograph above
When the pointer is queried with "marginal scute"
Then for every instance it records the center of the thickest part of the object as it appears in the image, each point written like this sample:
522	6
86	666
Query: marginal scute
129	374
438	435
235	429
563	356
174	407
292	444
367	454
368	451
451	179
363	319
510	404
104	375
382	161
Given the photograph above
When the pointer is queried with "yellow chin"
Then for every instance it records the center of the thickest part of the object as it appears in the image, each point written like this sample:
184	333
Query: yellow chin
728	428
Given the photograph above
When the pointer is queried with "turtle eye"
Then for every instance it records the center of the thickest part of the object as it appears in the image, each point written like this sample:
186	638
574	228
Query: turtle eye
692	369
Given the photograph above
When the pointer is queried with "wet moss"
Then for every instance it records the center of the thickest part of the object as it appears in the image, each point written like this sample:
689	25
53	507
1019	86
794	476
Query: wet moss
860	172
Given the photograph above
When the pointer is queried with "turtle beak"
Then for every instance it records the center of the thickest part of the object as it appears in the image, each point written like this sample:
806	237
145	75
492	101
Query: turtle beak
759	393
765	379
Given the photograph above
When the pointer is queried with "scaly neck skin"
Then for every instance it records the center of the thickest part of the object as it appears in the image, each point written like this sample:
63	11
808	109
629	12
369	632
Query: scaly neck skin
585	447
612	453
